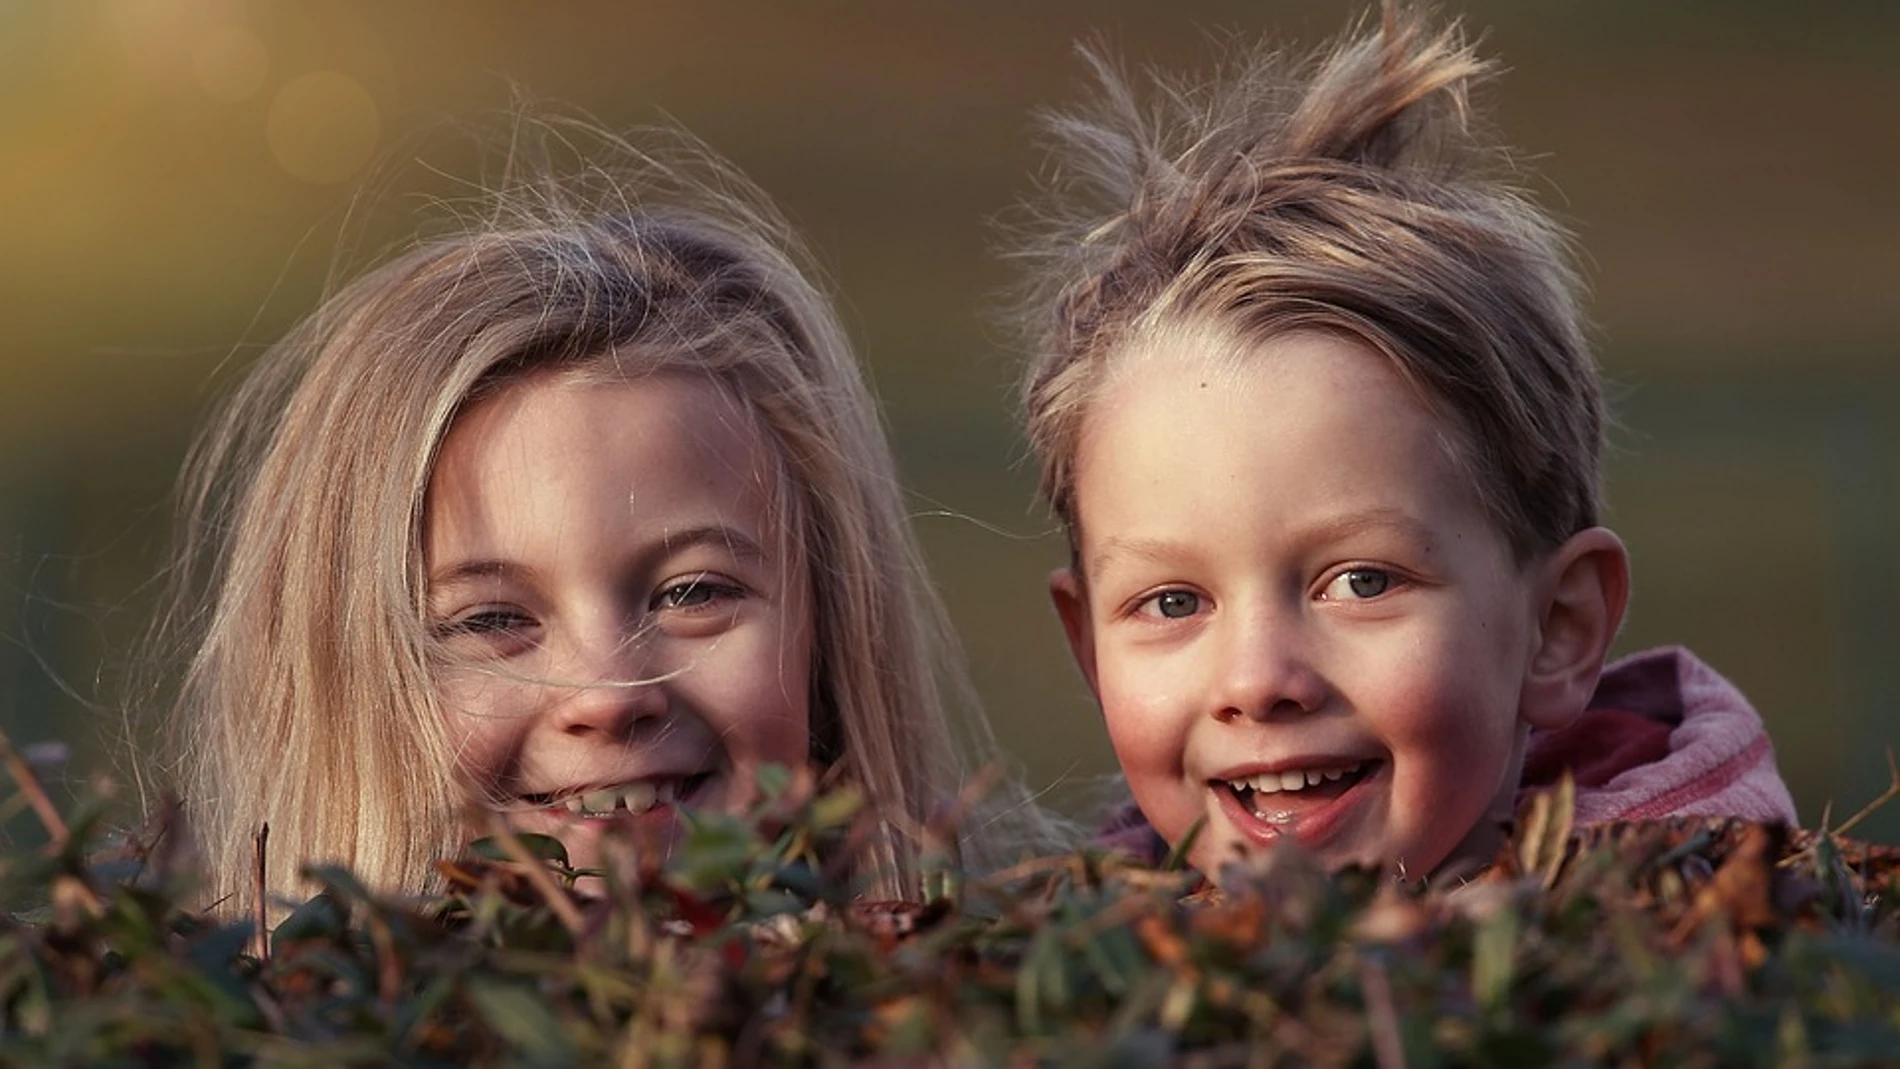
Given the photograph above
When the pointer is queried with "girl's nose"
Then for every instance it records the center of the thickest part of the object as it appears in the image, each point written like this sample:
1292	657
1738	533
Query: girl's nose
1264	669
610	691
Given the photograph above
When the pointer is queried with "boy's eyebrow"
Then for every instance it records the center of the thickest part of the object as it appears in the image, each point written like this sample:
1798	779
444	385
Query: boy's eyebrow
1352	523
1153	549
1331	529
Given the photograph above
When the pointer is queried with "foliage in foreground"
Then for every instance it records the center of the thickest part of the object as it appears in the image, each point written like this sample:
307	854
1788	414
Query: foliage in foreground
1683	943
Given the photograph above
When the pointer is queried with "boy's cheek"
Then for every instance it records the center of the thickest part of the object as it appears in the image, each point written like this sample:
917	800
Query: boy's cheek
1149	747
1146	704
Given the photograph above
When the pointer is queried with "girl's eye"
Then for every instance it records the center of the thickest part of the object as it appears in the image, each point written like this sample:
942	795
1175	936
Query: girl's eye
693	593
1358	584
1175	604
487	622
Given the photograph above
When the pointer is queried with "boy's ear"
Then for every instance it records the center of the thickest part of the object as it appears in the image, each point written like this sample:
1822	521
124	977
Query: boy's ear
1585	587
1072	606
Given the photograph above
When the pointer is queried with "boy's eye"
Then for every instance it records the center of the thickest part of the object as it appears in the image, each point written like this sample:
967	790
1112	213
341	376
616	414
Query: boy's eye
1176	604
1359	584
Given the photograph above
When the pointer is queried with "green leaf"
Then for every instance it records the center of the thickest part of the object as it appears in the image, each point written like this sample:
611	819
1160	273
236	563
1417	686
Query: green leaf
544	847
773	779
1493	959
1177	857
837	809
523	1020
319	917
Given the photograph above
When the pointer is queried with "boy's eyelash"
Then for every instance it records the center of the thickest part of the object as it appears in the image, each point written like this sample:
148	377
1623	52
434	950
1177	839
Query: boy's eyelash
1383	579
1187	598
1387	581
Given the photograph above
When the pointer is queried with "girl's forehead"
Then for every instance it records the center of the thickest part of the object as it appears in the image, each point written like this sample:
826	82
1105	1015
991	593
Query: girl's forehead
650	431
649	393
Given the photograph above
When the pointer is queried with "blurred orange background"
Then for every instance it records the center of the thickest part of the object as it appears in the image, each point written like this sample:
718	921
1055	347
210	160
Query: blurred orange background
176	177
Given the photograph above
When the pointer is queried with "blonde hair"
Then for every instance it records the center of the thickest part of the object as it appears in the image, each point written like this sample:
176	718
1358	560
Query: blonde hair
309	700
1349	192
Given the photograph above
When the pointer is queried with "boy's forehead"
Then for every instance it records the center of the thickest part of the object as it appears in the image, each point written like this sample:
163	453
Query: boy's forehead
1199	390
1220	360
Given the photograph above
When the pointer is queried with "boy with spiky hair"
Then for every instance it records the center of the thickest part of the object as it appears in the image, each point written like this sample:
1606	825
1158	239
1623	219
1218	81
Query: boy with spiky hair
1314	403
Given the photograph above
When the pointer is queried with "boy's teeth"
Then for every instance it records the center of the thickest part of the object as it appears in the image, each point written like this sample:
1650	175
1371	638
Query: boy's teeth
1293	780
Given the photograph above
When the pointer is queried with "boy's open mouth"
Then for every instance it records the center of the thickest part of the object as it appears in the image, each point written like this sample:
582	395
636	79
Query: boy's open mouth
640	796
1280	797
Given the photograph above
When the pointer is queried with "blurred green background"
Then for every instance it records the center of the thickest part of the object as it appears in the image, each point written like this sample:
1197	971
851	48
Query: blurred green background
176	176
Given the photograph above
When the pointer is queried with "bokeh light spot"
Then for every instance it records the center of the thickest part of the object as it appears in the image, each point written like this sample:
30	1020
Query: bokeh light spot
323	127
230	63
155	34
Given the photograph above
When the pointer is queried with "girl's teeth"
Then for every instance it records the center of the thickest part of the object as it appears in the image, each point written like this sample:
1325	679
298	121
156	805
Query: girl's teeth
634	798
639	797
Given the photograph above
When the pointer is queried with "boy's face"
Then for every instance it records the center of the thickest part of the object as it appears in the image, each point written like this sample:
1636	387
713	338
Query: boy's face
1296	616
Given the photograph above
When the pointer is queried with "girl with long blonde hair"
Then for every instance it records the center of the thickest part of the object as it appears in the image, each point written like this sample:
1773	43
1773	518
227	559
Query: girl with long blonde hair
583	512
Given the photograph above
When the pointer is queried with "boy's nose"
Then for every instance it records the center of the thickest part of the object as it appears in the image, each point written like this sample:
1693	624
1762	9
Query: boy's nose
1264	671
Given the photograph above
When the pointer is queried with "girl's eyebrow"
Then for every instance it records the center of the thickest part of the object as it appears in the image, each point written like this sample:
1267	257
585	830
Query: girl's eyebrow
483	568
725	537
731	539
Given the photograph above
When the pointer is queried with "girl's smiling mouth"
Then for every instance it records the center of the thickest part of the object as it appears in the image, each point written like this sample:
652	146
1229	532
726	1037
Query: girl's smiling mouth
633	797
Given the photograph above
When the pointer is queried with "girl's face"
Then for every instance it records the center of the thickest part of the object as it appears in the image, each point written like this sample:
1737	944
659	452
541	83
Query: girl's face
1297	617
619	632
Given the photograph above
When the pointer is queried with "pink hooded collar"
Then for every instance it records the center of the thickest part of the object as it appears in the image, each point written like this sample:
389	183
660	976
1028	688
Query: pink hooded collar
1665	735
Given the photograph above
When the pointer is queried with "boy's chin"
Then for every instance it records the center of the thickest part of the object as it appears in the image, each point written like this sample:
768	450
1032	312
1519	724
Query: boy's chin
1239	861
1232	853
1476	852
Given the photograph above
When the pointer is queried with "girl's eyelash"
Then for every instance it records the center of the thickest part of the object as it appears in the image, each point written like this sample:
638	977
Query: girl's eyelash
713	587
685	595
484	622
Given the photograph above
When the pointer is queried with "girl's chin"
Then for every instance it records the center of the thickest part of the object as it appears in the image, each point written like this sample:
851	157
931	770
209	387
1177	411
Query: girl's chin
596	842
